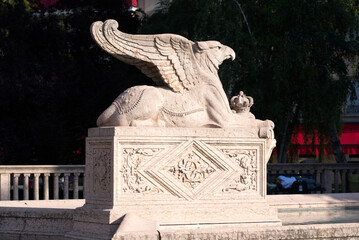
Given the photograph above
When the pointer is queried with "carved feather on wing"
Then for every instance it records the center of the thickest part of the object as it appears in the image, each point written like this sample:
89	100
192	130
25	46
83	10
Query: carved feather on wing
167	59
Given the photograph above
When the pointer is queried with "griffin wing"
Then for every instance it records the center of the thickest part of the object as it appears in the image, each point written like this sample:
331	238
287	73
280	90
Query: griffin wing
167	59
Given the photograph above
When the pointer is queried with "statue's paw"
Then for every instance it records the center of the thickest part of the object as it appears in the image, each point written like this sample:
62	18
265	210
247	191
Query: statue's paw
266	123
266	129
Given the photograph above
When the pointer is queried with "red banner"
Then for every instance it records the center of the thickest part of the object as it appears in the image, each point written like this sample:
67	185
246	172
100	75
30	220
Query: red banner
349	138
131	3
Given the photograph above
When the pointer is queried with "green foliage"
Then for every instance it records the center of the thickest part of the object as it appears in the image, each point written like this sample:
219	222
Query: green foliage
290	57
54	80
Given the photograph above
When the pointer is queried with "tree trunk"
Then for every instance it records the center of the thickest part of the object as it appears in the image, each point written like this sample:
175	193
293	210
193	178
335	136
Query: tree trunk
336	145
287	135
282	156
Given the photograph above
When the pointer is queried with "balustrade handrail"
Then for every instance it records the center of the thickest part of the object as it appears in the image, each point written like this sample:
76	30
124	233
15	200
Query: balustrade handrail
8	169
313	166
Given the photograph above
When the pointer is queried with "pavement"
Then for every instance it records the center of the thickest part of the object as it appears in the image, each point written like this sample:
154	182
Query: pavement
313	200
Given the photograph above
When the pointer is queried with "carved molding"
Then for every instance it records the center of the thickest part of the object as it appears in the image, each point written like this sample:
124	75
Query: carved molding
247	168
133	180
101	169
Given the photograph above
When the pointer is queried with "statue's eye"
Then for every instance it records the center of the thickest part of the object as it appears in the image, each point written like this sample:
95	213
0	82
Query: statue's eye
219	47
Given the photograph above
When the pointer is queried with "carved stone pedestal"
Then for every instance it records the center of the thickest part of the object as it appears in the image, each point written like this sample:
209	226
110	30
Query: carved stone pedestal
173	178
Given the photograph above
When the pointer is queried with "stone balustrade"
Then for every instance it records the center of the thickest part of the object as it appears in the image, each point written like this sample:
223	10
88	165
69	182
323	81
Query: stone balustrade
37	182
332	176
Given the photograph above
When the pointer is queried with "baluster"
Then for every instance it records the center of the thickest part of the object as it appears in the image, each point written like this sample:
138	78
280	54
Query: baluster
5	187
353	171
46	186
76	185
26	186
36	186
56	185
317	177
84	185
321	173
66	186
327	180
344	180
311	172
316	174
336	184
15	193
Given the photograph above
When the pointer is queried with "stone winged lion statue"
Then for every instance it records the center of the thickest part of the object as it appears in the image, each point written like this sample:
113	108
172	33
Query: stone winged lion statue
189	91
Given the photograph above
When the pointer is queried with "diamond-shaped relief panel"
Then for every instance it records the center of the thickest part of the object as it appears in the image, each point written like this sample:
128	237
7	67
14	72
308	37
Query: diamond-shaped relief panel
192	170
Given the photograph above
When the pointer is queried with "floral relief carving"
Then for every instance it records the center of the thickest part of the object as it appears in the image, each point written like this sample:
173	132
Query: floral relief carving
101	170
191	170
133	181
247	163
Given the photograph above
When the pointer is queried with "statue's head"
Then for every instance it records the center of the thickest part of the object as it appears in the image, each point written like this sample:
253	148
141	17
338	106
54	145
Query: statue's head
213	51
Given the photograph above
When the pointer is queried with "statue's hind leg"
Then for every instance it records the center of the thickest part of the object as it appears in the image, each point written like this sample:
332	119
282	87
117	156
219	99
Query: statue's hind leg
111	117
137	106
148	109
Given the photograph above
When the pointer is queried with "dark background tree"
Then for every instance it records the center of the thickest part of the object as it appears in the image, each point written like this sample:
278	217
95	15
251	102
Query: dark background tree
54	80
291	56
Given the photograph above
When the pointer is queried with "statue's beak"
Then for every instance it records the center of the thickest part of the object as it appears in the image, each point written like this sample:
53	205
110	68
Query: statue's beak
230	53
233	55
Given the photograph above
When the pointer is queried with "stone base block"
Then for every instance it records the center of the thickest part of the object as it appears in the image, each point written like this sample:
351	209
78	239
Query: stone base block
176	177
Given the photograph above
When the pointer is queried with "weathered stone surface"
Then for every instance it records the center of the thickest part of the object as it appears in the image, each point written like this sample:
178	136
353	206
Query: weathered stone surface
191	93
177	177
34	223
332	231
